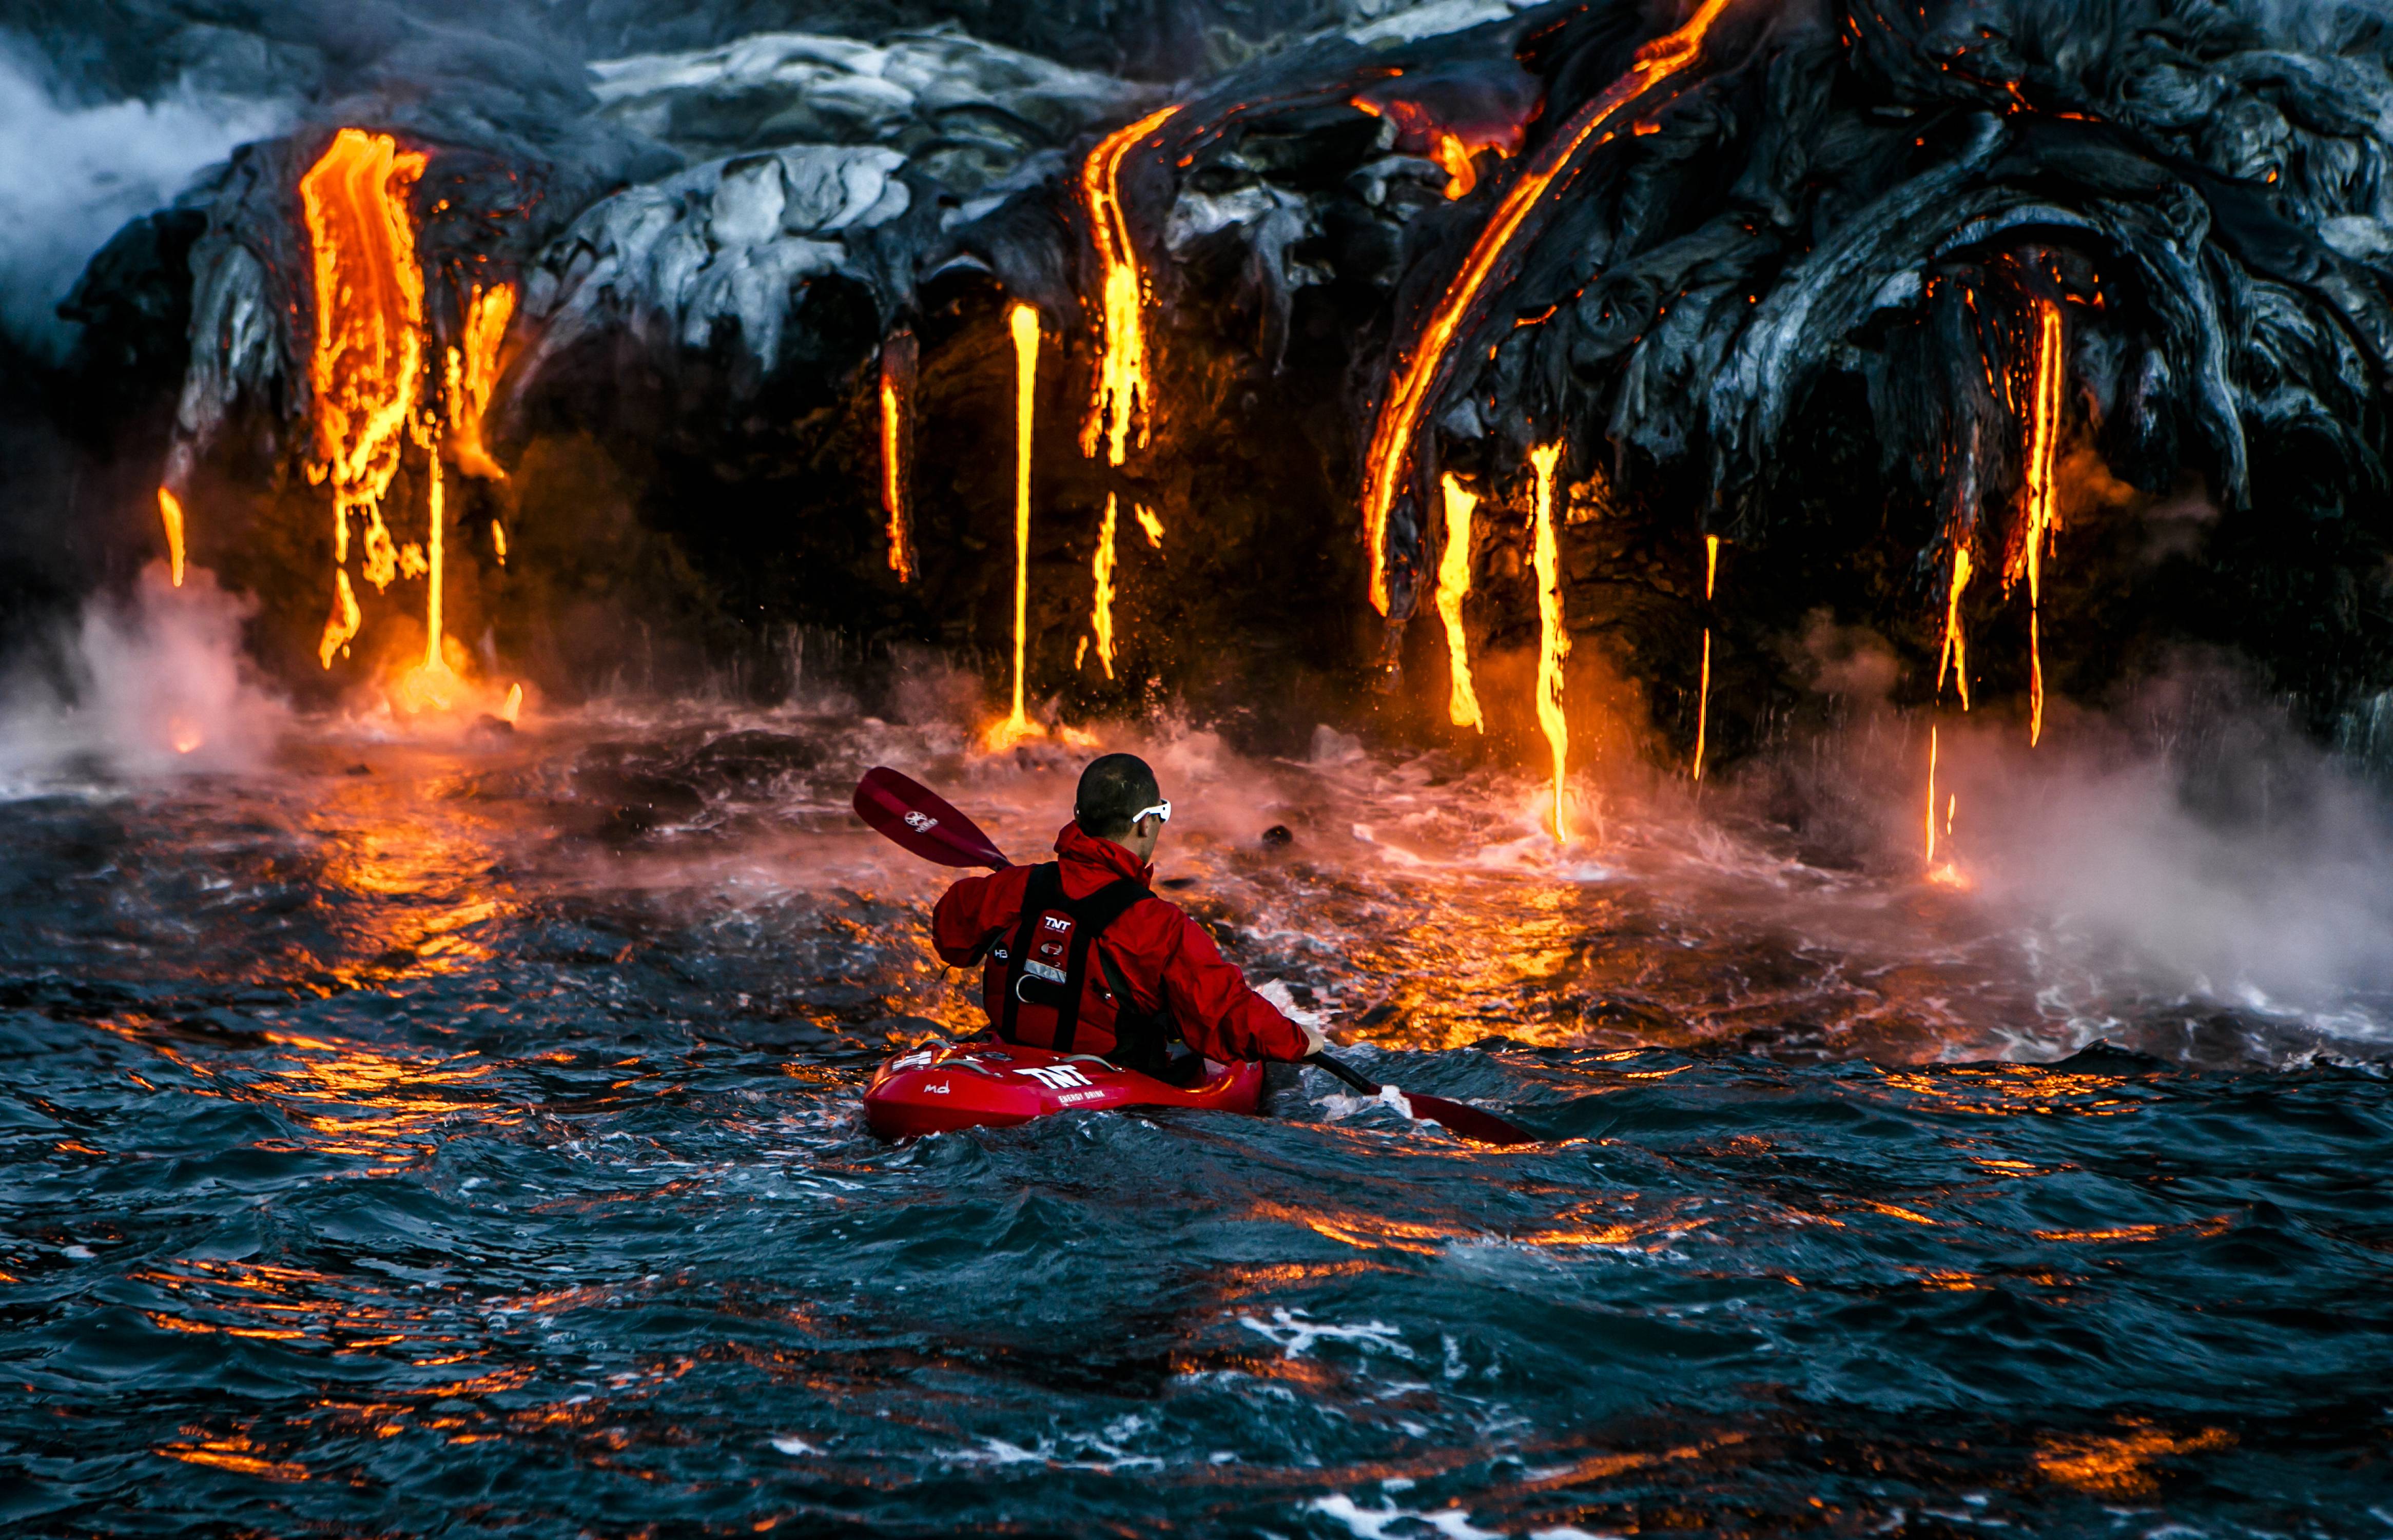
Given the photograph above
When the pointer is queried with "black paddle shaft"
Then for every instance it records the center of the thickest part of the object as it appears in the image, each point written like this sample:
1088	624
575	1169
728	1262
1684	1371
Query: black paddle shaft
1353	1078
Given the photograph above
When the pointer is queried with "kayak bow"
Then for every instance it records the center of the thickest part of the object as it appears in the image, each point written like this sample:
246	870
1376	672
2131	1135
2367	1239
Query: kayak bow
980	1084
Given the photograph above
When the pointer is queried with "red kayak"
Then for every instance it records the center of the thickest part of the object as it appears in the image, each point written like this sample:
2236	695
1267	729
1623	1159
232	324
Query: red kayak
993	1085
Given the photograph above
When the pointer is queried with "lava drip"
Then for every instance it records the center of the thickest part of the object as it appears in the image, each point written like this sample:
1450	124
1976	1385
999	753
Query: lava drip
1417	377
1704	688
1119	400
900	359
1453	587
367	366
1553	642
2043	500
170	514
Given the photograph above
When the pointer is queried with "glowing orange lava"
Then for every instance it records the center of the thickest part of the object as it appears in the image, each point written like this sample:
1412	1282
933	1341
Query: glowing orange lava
1101	611
1023	321
473	372
1453	587
1120	399
897	362
1956	654
1704	688
1452	151
367	365
1416	377
1553	642
1148	522
1930	858
2043	500
170	514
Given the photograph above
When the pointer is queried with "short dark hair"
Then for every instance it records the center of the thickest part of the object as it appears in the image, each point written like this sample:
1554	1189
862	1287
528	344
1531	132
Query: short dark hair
1113	788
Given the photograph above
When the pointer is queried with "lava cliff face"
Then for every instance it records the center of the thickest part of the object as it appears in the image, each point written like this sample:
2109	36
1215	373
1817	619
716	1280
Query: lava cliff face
2043	339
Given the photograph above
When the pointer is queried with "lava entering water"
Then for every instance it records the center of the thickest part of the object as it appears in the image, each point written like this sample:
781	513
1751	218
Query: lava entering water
1119	400
367	366
1453	587
1553	642
1417	377
2042	501
170	514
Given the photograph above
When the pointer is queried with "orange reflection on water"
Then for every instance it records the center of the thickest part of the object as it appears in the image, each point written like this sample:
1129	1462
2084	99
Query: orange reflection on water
236	1453
1369	1231
2120	1465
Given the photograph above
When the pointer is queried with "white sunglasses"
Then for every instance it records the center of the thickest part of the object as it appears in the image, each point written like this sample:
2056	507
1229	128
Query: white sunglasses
1161	810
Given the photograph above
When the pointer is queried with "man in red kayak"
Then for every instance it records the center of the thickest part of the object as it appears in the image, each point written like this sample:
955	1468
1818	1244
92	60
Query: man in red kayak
1079	956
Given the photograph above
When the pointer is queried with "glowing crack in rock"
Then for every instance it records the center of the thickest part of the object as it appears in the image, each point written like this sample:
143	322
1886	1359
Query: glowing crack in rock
1121	398
1417	376
1553	642
1453	587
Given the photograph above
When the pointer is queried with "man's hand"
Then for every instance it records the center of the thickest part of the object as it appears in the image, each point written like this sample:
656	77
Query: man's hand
1314	1025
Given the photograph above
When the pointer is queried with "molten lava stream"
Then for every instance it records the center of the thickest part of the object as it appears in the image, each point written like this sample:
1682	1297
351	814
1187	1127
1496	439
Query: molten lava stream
1956	654
1553	642
1416	377
2043	500
366	367
898	359
1101	609
1119	400
473	373
170	514
1022	320
1704	688
1453	587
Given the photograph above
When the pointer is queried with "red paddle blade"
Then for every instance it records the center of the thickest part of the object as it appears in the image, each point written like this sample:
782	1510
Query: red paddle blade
1483	1128
919	819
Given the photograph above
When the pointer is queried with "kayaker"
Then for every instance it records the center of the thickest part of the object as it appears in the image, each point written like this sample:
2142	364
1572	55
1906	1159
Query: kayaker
1079	955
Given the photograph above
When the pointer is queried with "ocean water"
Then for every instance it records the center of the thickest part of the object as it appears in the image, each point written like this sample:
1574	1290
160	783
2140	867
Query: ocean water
462	1137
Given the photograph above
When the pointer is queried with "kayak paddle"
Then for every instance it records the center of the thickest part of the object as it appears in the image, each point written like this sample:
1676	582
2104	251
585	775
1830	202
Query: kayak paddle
1481	1128
922	822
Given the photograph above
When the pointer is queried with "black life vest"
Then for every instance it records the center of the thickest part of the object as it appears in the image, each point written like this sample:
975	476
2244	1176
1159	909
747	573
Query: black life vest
1036	986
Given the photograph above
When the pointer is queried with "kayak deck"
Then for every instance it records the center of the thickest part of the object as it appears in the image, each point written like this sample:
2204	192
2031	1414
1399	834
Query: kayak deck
978	1085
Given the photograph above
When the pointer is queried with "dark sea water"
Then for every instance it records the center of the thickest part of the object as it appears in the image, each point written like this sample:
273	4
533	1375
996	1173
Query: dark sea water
463	1139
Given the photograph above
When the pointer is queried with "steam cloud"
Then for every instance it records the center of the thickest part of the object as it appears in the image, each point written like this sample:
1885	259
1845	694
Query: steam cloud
74	175
153	685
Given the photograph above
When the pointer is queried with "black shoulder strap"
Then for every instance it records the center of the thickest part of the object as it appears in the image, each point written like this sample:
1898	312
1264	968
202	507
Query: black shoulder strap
1090	918
1044	890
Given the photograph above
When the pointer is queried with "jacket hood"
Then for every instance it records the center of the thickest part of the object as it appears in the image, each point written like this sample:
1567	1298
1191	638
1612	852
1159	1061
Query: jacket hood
1079	846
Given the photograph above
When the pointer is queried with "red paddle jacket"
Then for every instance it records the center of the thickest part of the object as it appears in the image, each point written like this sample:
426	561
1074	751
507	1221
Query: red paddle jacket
1169	962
